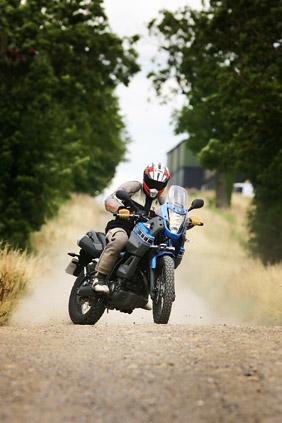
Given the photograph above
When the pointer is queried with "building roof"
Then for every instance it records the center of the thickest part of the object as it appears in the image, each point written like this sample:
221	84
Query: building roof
176	146
181	156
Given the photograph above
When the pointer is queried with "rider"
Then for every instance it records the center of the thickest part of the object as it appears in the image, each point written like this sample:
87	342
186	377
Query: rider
149	194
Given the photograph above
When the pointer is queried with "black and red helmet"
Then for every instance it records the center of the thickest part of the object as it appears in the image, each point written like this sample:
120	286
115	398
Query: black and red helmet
155	180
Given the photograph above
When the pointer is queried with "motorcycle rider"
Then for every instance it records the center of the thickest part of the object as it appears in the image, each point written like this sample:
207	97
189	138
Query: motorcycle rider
149	194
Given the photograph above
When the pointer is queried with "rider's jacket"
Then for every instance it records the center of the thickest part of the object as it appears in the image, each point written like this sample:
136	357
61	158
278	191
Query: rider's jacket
135	191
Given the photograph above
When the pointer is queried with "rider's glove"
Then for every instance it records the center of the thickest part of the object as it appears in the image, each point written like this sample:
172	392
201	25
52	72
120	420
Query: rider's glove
123	213
194	221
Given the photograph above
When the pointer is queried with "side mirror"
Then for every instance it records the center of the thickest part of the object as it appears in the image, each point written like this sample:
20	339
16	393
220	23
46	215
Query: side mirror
196	204
122	195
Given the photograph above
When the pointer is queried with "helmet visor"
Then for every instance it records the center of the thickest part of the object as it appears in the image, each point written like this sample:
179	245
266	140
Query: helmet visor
152	184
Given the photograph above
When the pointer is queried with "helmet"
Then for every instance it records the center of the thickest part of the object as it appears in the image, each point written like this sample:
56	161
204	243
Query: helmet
155	180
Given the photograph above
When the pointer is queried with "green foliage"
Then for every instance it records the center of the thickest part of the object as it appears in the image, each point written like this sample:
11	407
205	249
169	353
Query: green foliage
60	125
265	218
227	61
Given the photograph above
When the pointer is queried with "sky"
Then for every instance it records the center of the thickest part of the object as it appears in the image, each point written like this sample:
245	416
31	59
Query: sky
148	122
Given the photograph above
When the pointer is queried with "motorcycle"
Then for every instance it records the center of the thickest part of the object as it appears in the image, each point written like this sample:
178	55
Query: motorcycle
145	268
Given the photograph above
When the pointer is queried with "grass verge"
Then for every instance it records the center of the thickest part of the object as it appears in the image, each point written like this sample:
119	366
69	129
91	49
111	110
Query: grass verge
16	270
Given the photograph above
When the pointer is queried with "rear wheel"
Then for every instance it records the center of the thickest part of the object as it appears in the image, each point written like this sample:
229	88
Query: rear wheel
165	293
83	310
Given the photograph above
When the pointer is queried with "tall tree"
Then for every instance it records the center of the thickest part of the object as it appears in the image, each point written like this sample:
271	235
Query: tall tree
60	124
199	74
227	60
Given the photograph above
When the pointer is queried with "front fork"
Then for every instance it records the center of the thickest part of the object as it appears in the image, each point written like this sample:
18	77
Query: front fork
152	282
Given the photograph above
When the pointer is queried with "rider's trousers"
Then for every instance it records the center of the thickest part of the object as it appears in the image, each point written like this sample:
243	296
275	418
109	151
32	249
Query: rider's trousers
117	239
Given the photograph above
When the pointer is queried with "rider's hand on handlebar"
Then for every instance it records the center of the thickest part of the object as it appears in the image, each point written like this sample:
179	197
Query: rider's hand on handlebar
194	221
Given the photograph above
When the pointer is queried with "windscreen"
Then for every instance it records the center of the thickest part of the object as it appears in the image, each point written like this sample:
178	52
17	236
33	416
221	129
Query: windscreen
177	196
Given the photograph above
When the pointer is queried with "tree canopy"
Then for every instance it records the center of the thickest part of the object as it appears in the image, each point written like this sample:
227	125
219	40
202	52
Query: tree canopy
61	129
227	61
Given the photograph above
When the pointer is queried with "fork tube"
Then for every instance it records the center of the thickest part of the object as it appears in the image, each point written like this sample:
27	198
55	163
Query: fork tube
152	282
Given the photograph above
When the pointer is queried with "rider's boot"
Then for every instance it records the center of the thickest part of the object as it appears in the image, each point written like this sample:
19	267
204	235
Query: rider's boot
100	283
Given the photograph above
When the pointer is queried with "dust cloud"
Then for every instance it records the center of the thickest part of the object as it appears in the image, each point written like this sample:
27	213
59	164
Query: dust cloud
47	299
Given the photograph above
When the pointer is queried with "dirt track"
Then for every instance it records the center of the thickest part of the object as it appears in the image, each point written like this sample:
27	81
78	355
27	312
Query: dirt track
128	369
202	367
140	373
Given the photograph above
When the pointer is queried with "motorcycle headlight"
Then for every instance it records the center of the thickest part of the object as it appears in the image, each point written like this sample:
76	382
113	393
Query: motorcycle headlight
175	221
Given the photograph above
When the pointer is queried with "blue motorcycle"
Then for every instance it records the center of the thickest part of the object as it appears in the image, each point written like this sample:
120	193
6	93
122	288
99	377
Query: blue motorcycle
145	268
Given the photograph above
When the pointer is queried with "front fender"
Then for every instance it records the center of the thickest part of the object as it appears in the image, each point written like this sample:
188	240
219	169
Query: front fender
153	263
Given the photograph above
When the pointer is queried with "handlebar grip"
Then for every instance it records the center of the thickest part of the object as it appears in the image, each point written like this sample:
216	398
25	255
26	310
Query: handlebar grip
124	216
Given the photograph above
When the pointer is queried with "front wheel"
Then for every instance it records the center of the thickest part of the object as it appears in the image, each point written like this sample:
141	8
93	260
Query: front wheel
165	292
84	311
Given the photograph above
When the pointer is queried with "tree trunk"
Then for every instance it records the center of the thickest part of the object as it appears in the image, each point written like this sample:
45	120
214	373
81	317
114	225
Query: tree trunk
223	189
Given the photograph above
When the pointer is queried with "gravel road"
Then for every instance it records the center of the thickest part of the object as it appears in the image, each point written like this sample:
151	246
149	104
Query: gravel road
140	373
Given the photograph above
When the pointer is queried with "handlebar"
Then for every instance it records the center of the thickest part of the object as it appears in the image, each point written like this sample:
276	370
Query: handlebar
127	216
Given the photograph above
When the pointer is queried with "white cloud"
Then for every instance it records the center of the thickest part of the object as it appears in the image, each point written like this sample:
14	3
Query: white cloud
131	16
